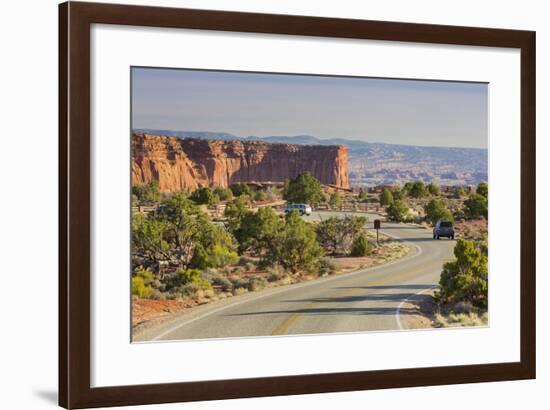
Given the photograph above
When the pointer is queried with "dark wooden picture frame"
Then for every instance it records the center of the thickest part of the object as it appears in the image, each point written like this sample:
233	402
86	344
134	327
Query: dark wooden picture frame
75	20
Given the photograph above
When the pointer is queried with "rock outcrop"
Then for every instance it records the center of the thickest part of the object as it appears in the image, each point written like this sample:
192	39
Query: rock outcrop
189	163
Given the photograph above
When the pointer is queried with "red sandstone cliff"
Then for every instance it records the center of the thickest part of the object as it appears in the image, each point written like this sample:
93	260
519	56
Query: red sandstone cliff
189	163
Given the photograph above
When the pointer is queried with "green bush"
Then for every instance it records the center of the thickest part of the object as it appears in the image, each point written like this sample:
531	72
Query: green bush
220	280
436	210
434	189
305	188
464	279
418	190
147	193
397	211
187	276
336	235
335	200
241	283
476	206
361	246
326	267
240	189
257	283
483	189
386	197
260	195
141	283
204	196
297	248
460	191
224	194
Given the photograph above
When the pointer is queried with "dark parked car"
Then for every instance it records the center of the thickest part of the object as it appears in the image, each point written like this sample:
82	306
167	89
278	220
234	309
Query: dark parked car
443	228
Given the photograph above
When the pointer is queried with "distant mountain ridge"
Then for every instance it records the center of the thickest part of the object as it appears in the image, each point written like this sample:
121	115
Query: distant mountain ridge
377	163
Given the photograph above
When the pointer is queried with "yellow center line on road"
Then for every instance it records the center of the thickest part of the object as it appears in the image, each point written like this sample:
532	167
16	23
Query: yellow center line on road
283	327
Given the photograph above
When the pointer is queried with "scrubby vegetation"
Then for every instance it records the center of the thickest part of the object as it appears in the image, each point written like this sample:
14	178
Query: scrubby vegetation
180	250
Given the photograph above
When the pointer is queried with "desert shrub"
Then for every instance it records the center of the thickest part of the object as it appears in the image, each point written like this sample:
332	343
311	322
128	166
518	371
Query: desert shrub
257	283
213	257
260	195
141	283
434	189
418	190
204	196
189	289
336	235
187	276
463	307
240	189
222	281
361	246
297	248
335	200
305	188
147	193
157	295
465	278
224	194
476	206
326	267
436	210
397	211
275	273
460	191
241	283
483	189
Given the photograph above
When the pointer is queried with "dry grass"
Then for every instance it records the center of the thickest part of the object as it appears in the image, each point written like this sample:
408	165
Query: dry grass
461	319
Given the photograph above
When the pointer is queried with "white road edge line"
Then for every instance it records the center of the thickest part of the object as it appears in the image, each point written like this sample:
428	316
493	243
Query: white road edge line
398	310
282	289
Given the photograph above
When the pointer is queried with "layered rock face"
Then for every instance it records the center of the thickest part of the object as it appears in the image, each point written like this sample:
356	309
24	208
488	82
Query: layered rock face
189	163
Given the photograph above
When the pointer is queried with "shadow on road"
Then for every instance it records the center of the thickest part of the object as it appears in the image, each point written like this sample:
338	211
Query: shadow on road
333	311
390	297
381	297
419	286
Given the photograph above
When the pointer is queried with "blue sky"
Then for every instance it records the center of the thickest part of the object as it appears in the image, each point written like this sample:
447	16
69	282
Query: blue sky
430	113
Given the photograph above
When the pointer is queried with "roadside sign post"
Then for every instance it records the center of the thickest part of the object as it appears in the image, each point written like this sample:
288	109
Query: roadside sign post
377	227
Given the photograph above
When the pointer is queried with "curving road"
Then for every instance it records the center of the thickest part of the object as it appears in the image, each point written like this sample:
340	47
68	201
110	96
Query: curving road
366	300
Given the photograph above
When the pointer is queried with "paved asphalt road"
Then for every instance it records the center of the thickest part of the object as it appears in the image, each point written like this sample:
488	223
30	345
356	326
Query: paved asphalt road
364	300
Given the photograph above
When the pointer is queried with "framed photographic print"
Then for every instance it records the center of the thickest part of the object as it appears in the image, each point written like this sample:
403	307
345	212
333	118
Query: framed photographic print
256	205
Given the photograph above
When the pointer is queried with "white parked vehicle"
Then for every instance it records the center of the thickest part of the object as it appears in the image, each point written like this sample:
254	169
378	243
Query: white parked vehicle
303	209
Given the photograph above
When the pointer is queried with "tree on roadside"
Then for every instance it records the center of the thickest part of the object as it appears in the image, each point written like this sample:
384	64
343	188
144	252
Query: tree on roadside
298	249
305	188
436	210
476	206
336	235
397	211
386	197
464	279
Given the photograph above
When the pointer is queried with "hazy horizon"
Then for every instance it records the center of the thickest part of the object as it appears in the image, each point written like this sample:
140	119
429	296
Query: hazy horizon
391	111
